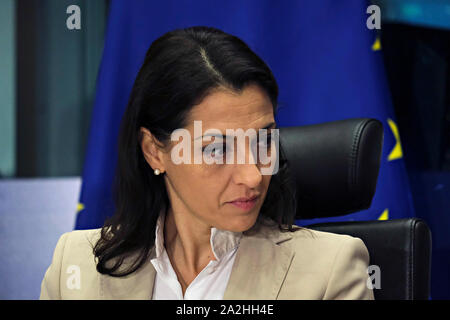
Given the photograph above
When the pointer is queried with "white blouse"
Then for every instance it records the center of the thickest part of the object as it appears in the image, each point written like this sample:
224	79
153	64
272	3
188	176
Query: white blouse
210	283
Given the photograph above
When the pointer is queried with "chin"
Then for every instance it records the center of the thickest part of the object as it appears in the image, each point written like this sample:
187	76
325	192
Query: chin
241	224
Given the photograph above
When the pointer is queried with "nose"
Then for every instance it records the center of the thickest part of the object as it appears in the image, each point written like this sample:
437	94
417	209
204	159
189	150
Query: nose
248	172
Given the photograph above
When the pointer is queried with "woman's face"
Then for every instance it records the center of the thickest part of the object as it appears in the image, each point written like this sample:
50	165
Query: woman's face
204	191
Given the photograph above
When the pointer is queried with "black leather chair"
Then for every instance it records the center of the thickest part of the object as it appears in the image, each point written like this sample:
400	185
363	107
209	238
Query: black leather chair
335	169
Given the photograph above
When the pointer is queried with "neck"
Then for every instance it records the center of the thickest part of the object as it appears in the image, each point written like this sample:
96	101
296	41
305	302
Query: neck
187	242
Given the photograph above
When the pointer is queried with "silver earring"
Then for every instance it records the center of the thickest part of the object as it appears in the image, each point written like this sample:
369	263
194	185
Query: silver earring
157	172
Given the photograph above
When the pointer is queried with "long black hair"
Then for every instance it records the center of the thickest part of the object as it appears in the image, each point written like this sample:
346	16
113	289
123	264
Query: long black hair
180	69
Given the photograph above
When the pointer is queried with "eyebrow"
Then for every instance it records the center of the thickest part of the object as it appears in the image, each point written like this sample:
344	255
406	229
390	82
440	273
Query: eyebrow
269	126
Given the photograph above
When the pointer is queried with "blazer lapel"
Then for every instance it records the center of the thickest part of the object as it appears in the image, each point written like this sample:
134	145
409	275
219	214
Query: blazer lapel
258	272
260	267
137	286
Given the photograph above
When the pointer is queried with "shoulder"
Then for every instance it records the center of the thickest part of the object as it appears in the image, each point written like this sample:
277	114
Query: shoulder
313	241
336	263
78	244
73	264
324	249
304	240
82	237
332	266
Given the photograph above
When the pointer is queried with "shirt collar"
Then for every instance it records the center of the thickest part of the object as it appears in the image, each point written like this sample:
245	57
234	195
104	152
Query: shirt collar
222	241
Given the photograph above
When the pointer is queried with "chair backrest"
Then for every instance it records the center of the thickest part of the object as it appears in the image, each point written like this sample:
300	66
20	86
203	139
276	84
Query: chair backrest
400	255
335	161
335	168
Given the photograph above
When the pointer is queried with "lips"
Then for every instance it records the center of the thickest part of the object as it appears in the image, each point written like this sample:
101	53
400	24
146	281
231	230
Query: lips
244	199
245	203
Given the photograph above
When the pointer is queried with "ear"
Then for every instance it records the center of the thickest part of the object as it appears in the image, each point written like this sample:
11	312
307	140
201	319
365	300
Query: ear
150	150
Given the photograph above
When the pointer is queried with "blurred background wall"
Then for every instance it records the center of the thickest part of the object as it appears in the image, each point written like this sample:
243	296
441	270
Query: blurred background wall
56	74
47	87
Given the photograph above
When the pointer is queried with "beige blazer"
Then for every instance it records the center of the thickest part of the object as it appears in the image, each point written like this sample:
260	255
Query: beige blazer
269	264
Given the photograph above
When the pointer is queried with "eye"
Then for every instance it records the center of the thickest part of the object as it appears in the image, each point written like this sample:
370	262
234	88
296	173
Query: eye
214	150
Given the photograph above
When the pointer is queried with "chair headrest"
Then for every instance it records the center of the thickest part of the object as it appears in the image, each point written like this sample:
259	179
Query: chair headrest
334	165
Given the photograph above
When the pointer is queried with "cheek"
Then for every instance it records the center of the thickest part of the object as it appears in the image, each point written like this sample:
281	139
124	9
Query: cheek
197	185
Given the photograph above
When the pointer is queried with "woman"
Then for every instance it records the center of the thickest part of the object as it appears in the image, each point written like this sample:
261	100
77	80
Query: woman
196	229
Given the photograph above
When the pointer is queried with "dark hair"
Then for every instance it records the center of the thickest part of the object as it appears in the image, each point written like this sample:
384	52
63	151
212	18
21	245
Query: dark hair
180	69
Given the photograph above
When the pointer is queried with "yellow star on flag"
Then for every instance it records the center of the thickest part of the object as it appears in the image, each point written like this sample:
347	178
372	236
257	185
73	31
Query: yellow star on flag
384	215
396	152
80	207
376	45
